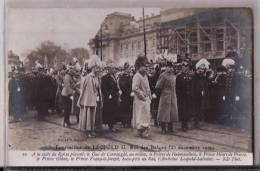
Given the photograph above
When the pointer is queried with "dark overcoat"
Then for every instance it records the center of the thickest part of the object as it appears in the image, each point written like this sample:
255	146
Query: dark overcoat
126	103
110	94
184	83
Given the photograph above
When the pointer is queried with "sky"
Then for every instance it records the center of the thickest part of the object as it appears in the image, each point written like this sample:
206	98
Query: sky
26	28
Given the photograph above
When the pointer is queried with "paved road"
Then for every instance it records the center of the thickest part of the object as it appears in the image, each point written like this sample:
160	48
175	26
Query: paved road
51	135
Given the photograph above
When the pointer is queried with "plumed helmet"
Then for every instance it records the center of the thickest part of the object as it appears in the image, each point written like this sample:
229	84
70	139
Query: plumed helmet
94	61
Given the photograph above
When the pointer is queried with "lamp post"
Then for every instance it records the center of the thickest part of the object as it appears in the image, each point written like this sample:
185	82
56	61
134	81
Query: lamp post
101	39
101	43
144	34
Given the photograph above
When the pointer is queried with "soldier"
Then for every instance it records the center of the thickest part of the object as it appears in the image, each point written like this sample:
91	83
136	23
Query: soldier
218	93
184	83
232	88
142	98
42	97
75	108
16	92
167	110
126	103
76	64
90	98
59	81
67	92
200	92
110	92
155	100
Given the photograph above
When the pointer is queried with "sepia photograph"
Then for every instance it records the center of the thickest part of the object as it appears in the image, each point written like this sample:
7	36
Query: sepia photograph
130	80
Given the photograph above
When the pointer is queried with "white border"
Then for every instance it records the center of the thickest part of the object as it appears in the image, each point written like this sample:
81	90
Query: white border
254	4
2	84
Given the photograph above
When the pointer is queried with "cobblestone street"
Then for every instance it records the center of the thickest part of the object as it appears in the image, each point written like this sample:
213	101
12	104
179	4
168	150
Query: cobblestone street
51	135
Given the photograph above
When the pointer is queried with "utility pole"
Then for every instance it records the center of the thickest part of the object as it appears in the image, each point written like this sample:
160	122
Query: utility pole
101	43
144	33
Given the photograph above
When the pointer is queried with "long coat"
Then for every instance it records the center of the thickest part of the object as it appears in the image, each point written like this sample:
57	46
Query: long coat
89	88
88	100
126	104
42	95
142	101
184	84
155	102
15	97
110	94
201	101
168	110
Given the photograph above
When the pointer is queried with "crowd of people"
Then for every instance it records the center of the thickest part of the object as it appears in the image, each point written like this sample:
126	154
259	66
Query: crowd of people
159	94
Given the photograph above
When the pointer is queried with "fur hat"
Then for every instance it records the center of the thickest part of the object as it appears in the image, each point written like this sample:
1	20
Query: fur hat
140	61
202	63
228	62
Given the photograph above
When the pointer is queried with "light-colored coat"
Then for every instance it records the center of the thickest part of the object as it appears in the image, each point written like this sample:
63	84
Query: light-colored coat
167	111
89	88
141	103
89	91
67	89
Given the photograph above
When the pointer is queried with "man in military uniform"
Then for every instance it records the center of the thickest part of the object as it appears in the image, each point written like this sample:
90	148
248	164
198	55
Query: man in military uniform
156	98
126	101
218	93
184	83
42	96
16	98
110	91
200	91
232	89
67	92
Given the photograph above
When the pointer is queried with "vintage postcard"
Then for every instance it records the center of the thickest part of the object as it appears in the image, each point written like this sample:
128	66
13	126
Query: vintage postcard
129	86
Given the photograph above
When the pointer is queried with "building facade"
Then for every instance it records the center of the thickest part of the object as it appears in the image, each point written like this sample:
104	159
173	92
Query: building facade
200	33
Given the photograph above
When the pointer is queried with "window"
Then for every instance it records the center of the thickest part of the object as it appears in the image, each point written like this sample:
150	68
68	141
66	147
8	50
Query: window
232	37
220	39
193	42
153	42
205	39
139	45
